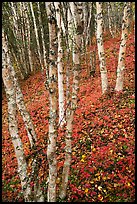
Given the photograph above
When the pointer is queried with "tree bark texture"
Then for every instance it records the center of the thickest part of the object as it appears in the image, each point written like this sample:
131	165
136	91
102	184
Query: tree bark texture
122	51
60	65
51	149
13	126
101	53
71	109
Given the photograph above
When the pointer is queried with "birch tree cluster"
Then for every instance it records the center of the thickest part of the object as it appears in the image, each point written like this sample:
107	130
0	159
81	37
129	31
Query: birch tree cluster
53	37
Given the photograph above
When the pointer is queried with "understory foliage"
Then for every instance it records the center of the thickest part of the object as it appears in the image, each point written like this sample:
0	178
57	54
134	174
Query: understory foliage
103	150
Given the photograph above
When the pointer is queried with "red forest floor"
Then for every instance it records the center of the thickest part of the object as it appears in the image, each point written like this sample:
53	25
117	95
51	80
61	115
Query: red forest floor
103	140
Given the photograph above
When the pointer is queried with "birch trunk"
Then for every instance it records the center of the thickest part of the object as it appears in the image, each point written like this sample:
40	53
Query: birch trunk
70	111
89	23
31	135
23	35
36	34
60	66
17	35
110	19
26	10
103	70
43	43
51	149
29	127
13	127
122	51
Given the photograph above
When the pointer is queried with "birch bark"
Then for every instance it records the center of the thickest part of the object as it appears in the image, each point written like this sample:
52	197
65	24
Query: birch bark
51	149
43	43
103	70
110	19
38	196
60	65
23	36
13	127
122	51
70	111
17	35
36	33
26	13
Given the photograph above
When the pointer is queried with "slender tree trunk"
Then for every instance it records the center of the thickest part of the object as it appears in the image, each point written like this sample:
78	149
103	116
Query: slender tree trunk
37	37
122	51
26	10
101	53
29	127
110	19
13	127
24	38
17	35
71	109
43	43
18	65
60	65
51	149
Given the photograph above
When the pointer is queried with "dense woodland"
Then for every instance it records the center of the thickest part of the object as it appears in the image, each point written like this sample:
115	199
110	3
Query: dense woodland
68	101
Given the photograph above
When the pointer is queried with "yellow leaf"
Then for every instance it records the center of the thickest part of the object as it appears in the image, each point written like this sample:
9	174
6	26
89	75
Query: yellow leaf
111	151
102	131
83	156
58	180
82	160
104	178
100	197
93	149
115	184
128	184
86	190
99	188
120	126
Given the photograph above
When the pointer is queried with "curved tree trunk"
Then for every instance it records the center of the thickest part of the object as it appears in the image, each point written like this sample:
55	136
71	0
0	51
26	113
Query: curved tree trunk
28	124
101	53
13	126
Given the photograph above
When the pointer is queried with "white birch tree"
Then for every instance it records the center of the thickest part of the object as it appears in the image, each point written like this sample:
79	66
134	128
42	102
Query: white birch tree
17	34
13	127
43	42
101	53
60	65
37	37
51	149
19	102
110	20
28	34
75	88
122	51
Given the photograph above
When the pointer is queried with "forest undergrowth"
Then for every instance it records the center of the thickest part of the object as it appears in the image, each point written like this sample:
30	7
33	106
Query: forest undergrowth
103	140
